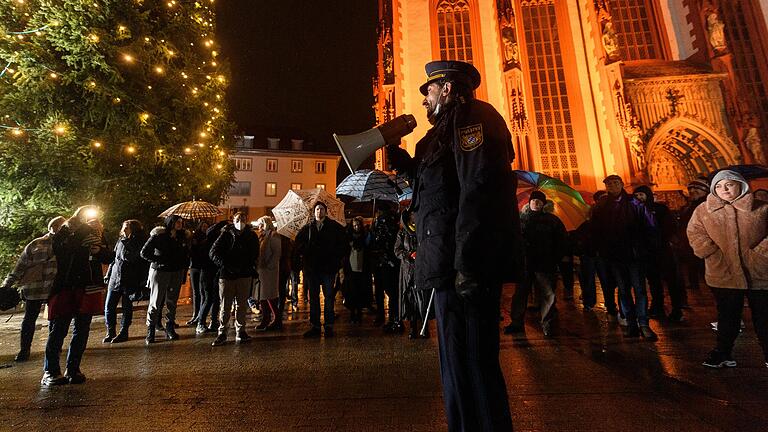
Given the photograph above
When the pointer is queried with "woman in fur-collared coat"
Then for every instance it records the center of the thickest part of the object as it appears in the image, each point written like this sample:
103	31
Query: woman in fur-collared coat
730	232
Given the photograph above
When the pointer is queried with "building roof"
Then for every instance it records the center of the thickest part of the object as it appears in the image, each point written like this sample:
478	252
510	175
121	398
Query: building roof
285	153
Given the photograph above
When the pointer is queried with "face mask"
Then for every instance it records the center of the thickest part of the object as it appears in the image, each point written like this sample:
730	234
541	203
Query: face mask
239	226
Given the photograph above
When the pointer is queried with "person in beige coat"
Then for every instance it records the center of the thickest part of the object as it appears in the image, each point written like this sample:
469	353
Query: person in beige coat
269	274
730	232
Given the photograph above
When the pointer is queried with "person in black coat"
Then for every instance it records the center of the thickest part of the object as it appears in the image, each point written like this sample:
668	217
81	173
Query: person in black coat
386	268
469	241
126	275
322	245
357	275
545	244
660	267
168	252
236	254
209	281
198	257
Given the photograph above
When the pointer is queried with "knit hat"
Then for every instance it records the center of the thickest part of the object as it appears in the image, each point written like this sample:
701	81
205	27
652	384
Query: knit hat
539	195
729	175
700	184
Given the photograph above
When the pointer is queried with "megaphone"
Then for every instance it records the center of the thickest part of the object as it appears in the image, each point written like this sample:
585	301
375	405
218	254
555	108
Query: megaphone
357	148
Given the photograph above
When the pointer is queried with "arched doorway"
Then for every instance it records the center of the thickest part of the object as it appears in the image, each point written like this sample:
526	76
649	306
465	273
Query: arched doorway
682	149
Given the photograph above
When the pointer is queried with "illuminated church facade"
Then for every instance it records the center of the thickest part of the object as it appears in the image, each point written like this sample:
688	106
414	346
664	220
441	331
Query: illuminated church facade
657	91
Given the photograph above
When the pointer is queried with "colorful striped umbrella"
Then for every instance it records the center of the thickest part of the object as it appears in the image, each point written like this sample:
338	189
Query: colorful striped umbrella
570	206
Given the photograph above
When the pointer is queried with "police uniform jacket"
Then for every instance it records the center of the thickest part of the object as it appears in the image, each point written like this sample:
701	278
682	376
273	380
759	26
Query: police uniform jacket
464	198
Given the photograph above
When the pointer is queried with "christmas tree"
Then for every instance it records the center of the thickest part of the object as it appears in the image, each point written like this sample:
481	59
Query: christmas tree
118	103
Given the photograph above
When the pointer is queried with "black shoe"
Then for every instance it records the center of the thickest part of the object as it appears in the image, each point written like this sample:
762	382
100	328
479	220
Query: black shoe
718	360
378	321
53	380
548	331
192	322
214	327
632	331
150	339
159	326
121	337
170	333
108	338
242	337
514	329
676	316
314	332
220	340
648	334
22	356
75	377
329	332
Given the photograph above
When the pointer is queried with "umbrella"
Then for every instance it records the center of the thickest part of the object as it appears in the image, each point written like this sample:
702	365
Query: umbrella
371	185
192	210
569	204
295	210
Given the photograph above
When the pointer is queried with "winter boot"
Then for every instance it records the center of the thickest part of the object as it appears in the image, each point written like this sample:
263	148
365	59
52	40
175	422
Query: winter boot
150	339
122	336
265	315
170	332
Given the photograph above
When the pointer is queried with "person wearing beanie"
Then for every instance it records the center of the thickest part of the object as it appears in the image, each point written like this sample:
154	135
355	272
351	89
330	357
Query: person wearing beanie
622	229
730	232
545	239
660	267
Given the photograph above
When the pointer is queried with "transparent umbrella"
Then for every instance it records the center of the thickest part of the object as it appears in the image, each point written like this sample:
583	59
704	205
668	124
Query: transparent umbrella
295	210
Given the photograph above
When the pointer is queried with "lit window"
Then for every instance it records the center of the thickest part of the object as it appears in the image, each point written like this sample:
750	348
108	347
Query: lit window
243	164
454	30
295	186
271	189
320	186
319	167
271	165
240	189
297	166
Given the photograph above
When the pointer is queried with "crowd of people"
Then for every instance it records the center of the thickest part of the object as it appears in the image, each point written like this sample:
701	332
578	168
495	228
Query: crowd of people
446	257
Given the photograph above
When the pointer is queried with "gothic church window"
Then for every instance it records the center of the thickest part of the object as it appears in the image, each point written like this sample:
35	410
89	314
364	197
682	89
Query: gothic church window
635	28
554	127
454	33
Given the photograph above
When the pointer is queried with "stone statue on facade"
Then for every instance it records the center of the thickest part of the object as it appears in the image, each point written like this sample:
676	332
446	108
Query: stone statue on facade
716	32
610	43
755	145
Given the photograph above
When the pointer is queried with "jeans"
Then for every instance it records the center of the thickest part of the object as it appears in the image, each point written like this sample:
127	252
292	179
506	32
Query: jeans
544	284
730	303
57	331
164	286
234	291
587	269
315	280
211	298
197	290
630	278
110	311
31	312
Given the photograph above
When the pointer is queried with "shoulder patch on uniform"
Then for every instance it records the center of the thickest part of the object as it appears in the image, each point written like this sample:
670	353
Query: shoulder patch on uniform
471	137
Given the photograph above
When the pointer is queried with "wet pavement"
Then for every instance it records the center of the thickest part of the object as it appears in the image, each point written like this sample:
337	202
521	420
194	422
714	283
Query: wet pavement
588	378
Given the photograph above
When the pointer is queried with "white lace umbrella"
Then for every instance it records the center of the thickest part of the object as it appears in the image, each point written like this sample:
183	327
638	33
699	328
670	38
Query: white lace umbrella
372	185
295	210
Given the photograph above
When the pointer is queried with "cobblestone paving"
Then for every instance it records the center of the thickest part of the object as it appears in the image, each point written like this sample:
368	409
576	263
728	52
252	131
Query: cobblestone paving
586	379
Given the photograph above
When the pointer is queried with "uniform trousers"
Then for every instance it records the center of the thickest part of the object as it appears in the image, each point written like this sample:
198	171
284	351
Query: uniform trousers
474	391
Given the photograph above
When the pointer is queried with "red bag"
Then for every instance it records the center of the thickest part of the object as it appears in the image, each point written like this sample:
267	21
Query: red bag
88	301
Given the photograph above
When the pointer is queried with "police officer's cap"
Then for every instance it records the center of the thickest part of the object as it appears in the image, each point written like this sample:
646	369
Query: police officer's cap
457	71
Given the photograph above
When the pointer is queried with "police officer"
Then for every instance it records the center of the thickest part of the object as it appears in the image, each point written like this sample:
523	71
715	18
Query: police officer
467	223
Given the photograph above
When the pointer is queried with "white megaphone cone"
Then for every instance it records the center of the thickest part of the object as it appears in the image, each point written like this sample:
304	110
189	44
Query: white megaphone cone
357	148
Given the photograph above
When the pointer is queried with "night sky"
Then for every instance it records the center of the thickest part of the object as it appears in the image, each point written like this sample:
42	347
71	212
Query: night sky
302	65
